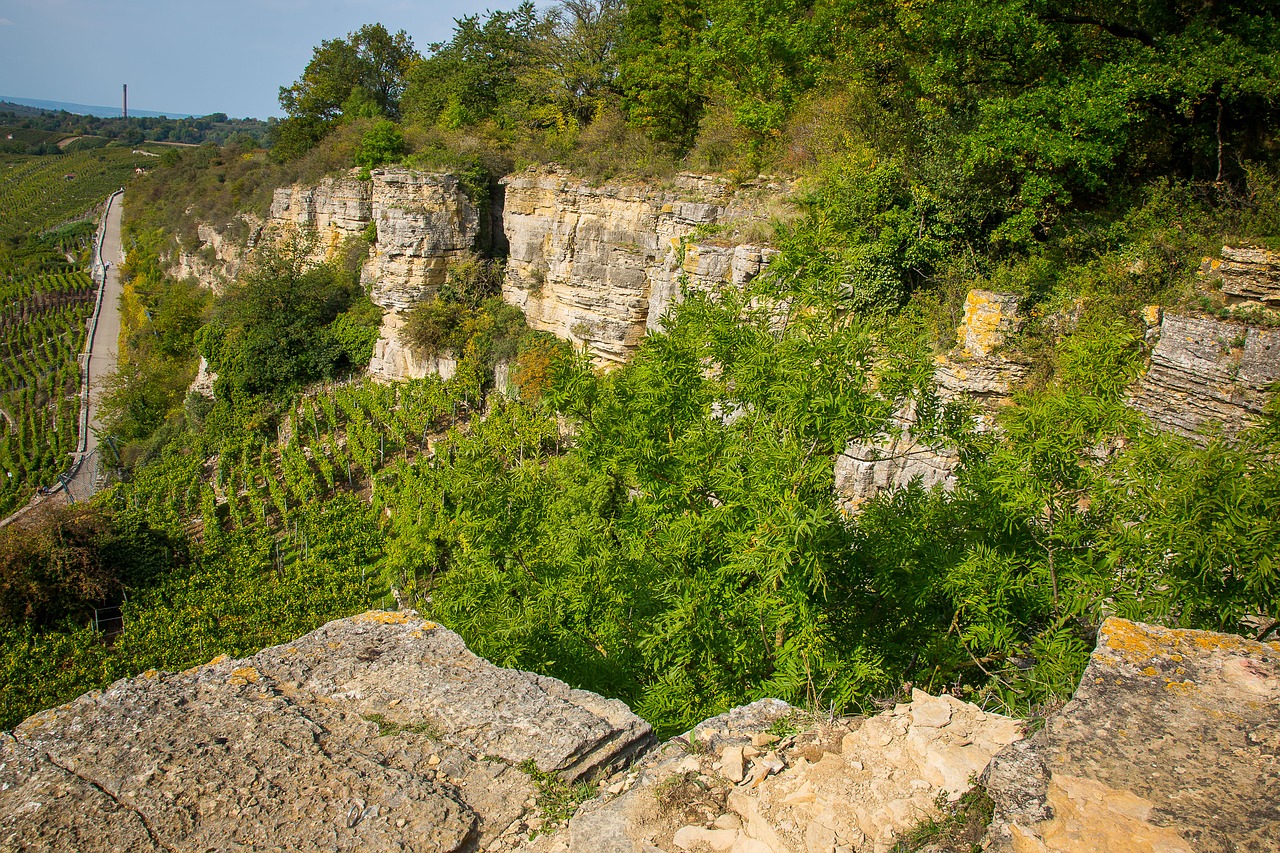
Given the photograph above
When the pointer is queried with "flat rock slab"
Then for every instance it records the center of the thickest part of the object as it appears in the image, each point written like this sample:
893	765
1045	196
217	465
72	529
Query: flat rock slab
1171	744
378	732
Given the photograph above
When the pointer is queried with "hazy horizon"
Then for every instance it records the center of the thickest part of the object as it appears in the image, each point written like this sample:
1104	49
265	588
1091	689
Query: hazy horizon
179	58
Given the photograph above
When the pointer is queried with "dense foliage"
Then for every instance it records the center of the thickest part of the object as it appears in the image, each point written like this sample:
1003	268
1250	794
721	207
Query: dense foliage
666	532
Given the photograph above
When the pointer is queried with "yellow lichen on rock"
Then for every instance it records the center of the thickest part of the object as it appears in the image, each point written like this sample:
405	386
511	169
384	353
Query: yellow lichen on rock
988	317
243	675
1128	642
384	617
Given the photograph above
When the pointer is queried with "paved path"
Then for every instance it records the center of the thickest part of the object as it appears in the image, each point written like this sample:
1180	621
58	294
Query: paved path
102	357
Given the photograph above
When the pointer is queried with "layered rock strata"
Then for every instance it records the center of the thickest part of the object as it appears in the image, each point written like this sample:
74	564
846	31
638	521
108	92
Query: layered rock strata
891	461
601	265
421	220
379	732
976	372
1171	744
1249	275
1208	374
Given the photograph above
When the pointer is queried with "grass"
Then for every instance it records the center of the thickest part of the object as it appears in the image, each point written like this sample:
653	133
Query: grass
959	829
391	727
557	798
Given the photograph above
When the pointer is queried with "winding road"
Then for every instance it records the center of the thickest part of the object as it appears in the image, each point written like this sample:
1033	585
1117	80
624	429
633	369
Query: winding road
103	349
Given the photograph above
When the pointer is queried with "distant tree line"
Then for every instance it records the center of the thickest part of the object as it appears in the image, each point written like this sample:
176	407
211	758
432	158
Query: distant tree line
217	128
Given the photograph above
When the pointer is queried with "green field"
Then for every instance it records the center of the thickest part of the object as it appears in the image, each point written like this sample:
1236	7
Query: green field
39	193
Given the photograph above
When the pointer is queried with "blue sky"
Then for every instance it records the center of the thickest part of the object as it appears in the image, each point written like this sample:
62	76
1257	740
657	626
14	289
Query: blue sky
227	56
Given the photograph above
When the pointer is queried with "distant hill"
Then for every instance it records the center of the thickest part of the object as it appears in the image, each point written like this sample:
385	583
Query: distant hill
8	102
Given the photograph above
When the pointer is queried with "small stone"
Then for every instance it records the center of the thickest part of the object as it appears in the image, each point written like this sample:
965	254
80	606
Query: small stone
929	711
750	752
690	764
433	761
763	739
733	762
688	837
727	821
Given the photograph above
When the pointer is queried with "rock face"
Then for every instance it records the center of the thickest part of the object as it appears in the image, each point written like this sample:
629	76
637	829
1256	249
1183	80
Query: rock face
379	732
394	360
335	209
1208	373
975	371
601	265
421	220
892	461
216	260
1249	276
1171	744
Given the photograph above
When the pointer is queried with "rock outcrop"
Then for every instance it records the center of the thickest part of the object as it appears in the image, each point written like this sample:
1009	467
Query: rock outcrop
892	461
976	372
1171	744
976	369
333	210
218	255
1208	374
421	220
1249	276
383	732
379	732
601	265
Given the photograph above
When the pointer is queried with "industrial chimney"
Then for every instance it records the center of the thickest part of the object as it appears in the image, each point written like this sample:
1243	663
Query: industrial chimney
125	109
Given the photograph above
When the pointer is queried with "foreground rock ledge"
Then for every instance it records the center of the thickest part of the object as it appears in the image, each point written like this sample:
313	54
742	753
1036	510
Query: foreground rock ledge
378	732
383	732
1170	745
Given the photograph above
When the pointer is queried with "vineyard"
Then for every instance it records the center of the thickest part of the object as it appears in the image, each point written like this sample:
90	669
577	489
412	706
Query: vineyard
45	301
39	193
255	545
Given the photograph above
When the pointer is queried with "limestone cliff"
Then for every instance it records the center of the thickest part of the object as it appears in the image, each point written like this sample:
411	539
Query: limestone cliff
1208	374
383	732
600	265
977	371
420	220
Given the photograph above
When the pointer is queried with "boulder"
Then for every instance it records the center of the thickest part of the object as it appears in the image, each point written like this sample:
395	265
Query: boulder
1170	744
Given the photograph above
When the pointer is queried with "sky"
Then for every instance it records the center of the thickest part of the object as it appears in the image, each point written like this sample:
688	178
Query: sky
180	56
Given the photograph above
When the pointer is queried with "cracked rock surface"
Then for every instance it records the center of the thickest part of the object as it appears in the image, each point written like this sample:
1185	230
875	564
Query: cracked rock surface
1171	745
378	732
